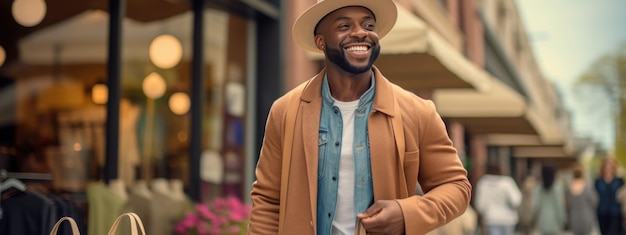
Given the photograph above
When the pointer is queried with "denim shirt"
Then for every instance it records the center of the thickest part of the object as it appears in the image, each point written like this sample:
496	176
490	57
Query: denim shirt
330	132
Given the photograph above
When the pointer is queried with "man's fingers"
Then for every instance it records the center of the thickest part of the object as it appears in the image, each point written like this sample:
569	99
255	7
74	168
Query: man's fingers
368	214
371	211
371	218
384	217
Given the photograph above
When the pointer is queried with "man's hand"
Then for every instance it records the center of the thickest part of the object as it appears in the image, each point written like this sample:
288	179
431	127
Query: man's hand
383	217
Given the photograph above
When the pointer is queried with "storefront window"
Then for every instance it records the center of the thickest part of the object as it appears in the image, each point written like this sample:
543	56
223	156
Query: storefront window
53	95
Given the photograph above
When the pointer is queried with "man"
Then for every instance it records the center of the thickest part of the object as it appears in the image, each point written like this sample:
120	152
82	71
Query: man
343	152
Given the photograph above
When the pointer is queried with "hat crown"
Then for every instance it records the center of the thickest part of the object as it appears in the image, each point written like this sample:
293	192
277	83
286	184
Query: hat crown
385	12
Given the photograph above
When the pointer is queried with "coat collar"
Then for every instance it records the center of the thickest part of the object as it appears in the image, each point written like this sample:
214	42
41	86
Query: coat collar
383	100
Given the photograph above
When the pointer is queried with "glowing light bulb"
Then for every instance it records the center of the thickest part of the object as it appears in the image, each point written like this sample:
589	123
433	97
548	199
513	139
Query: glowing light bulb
28	13
153	86
166	51
179	103
3	56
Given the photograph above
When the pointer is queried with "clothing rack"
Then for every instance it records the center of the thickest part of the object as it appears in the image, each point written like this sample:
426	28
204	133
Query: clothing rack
3	176
29	176
30	193
17	176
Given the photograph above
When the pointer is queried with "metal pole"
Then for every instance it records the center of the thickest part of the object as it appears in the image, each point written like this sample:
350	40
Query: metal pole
197	100
117	10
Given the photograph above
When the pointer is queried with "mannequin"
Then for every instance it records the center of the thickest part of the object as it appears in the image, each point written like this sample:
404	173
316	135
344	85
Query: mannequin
160	185
140	201
177	190
141	188
164	207
117	186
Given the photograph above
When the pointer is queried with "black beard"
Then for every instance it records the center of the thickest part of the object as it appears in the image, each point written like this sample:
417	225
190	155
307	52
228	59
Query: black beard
337	56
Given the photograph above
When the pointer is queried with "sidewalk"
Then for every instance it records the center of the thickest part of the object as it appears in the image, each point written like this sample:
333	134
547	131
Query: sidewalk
564	233
594	232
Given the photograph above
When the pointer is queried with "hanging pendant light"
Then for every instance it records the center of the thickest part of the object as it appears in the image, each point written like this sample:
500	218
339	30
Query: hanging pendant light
166	51
179	103
28	13
3	56
153	86
100	93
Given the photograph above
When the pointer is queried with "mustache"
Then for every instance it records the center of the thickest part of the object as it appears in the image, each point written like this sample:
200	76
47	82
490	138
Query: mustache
372	43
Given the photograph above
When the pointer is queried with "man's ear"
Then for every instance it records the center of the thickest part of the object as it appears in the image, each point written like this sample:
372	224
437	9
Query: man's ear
319	42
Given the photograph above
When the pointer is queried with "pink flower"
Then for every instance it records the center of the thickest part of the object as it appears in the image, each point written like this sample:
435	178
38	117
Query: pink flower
202	229
204	211
238	216
219	216
190	220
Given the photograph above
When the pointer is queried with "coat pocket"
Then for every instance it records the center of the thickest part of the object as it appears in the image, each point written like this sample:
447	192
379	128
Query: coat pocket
411	169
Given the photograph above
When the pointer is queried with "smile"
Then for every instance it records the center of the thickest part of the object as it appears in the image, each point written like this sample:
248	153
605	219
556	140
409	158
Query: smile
357	48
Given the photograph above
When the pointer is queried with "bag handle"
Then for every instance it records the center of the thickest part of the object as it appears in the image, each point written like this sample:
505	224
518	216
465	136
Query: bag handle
72	222
135	222
359	230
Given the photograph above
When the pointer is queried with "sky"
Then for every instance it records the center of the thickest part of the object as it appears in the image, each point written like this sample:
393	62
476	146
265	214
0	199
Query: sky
567	36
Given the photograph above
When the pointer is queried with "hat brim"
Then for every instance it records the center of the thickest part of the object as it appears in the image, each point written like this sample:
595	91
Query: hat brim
385	12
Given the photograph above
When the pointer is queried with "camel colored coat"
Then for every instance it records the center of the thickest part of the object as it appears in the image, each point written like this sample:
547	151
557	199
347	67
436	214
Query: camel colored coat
427	156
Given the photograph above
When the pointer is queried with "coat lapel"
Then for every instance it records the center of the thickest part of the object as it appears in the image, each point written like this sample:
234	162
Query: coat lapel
310	132
385	152
310	116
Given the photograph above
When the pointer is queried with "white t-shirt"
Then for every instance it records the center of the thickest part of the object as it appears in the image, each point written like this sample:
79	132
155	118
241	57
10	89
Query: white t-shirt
343	223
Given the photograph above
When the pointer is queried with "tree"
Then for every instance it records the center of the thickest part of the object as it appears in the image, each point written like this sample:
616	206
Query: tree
607	76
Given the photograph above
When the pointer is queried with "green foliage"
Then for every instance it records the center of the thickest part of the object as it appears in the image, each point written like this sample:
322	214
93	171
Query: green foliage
607	76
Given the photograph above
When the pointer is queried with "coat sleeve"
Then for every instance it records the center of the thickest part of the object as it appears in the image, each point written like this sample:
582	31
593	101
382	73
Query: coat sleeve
265	193
441	175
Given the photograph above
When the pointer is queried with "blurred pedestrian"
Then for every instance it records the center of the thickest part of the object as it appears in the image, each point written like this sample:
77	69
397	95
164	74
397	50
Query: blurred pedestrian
621	198
549	203
497	199
609	209
581	204
463	225
525	225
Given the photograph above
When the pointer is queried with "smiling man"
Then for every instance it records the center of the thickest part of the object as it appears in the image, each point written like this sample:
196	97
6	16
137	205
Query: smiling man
343	152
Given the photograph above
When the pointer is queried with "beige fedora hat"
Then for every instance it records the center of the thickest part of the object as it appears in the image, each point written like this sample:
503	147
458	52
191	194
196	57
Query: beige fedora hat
385	12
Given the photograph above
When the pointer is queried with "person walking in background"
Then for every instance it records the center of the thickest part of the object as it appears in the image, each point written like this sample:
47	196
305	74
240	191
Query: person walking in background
621	198
581	203
609	209
525	225
343	151
549	203
497	199
463	225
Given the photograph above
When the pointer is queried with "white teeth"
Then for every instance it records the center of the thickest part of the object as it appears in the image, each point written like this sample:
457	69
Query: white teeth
357	48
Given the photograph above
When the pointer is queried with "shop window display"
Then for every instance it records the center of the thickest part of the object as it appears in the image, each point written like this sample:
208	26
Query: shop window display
60	129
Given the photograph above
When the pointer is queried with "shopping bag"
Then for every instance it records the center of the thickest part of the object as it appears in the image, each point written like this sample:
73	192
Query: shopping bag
359	230
135	222
72	222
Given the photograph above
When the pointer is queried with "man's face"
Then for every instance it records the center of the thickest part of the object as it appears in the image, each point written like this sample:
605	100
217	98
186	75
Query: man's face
350	38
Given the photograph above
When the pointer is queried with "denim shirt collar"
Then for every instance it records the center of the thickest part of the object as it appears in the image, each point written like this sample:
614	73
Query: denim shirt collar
365	99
